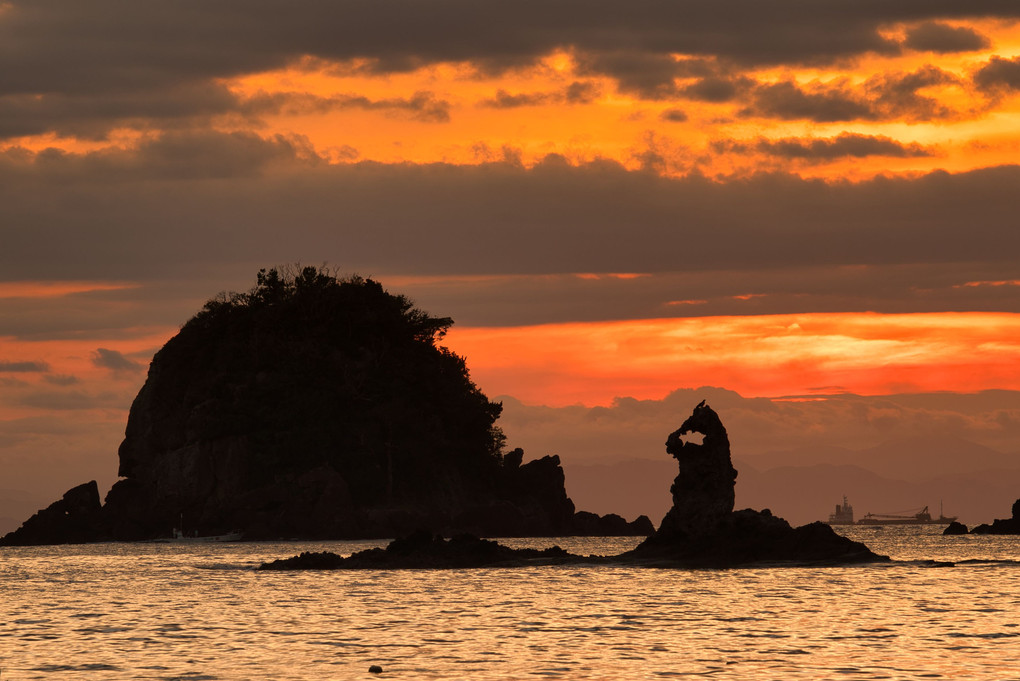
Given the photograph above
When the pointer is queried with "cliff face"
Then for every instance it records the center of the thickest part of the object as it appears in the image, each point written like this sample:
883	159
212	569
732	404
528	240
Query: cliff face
314	407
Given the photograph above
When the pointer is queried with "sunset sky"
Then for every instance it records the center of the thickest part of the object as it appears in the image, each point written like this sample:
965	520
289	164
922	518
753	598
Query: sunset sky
789	199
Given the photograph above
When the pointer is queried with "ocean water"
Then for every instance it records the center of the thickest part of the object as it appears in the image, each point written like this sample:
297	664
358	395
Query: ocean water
164	611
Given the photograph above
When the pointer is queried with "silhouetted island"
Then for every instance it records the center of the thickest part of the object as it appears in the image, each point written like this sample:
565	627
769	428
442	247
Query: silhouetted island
700	530
316	407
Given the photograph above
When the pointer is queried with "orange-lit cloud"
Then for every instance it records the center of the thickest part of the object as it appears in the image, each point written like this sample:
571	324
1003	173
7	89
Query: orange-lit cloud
770	356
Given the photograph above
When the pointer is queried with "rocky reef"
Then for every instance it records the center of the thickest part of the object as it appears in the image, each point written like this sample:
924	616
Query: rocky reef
316	407
1002	525
700	530
423	550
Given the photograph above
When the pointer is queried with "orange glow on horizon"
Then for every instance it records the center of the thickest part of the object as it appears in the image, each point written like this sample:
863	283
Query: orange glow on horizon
763	356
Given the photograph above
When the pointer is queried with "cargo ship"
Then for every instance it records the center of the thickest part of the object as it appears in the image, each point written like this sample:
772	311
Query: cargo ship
844	515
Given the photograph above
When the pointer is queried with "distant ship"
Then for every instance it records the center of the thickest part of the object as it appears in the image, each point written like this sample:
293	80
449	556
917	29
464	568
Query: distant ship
844	515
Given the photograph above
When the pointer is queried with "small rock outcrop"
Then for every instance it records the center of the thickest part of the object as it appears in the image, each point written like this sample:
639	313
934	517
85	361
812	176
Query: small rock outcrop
1002	525
702	529
72	519
422	550
955	528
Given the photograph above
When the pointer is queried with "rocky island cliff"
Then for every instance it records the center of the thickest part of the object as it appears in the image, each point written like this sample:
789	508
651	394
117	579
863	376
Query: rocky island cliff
316	407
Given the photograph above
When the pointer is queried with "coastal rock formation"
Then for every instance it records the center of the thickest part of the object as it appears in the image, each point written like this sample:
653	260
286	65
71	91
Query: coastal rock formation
703	491
955	528
315	407
701	529
69	520
1002	525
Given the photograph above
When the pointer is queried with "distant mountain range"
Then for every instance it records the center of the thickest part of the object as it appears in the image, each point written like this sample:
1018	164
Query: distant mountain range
901	475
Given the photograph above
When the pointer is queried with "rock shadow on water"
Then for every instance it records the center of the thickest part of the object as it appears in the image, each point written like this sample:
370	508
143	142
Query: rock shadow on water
701	530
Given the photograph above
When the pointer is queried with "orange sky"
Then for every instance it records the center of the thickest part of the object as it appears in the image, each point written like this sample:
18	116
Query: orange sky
780	355
803	198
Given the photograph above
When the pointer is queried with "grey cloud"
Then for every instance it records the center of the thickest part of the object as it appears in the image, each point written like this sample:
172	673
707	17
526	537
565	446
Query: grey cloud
189	155
884	96
579	92
789	101
77	68
98	221
85	115
113	360
823	149
7	366
422	105
999	74
674	115
897	94
934	36
715	89
61	379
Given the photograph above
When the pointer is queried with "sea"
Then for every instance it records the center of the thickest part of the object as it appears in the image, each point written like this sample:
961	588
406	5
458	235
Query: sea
945	608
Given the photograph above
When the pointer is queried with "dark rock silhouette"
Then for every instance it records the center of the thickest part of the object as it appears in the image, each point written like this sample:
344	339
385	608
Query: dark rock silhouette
315	407
69	520
424	550
1002	525
611	525
703	490
701	530
955	528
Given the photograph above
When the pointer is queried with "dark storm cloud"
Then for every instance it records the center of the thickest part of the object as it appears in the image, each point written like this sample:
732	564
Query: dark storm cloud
7	366
844	145
116	59
882	97
933	36
113	360
999	74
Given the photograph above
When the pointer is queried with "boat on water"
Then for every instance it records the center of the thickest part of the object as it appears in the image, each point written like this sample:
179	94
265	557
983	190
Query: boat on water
844	515
180	538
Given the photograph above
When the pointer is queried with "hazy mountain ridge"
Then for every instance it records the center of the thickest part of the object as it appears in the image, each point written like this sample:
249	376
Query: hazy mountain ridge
794	487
